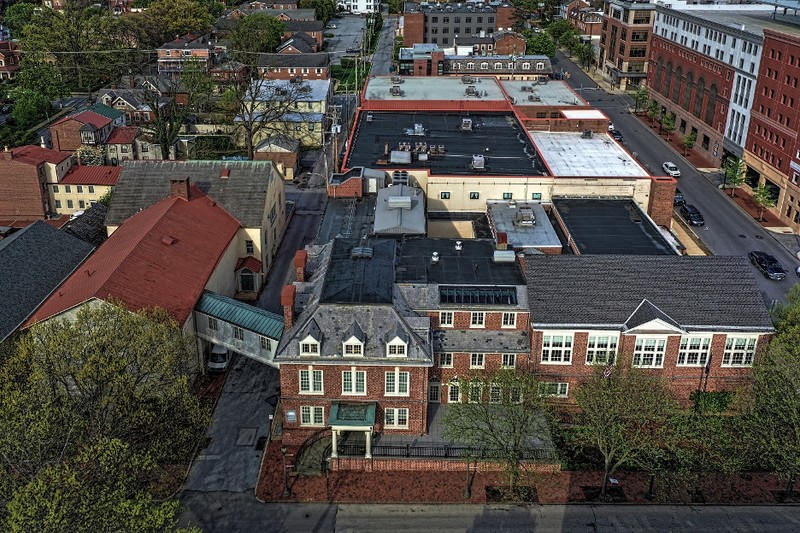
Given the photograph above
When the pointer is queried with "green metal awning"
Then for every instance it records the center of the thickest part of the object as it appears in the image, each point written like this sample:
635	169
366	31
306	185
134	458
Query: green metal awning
241	314
359	414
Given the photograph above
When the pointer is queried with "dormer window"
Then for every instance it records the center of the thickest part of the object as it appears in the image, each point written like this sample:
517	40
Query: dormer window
397	349
353	342
353	348
309	348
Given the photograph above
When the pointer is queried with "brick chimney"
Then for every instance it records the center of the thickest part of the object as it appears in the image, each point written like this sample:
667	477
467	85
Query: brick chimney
287	301
179	187
522	264
300	261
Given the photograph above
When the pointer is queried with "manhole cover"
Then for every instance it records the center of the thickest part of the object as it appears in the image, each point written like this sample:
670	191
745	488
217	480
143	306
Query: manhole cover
759	237
246	436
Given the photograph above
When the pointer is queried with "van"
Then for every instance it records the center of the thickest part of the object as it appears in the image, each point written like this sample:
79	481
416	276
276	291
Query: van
219	359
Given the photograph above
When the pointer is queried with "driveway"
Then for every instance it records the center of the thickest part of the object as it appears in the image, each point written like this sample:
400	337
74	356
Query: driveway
348	34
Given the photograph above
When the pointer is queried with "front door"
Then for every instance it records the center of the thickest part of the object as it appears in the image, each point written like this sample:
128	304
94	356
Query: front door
434	392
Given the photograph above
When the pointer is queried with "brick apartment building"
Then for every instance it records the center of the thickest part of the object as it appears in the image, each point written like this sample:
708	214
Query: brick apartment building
624	41
292	66
441	23
173	55
24	176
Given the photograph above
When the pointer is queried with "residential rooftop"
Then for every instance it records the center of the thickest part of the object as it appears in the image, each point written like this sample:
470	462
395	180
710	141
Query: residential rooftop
508	217
433	88
544	93
499	138
605	226
596	155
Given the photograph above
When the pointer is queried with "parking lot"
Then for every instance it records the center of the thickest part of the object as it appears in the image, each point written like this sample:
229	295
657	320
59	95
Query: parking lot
347	35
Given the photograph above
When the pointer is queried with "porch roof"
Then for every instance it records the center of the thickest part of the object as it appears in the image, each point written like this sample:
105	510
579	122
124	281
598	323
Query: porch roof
241	314
358	414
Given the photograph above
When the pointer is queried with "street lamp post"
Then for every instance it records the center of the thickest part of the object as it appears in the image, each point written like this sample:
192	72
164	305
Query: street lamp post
286	492
467	491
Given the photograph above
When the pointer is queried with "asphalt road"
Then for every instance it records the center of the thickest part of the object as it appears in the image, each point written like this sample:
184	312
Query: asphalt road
348	34
728	230
382	58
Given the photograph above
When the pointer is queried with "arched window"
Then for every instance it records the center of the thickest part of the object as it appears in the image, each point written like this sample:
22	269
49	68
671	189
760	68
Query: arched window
668	80
711	105
698	98
687	91
659	68
676	87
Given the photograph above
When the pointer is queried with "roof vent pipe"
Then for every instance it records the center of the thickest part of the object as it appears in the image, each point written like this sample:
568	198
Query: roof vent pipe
435	258
459	246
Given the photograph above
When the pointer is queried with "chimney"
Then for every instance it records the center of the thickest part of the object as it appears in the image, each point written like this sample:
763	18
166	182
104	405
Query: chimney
300	261
502	240
287	301
7	154
42	142
179	187
225	173
521	257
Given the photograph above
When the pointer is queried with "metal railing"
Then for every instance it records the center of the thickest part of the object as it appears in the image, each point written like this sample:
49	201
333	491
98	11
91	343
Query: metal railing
444	452
308	443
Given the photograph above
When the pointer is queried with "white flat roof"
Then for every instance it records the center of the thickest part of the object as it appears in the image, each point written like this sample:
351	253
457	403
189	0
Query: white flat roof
504	220
551	93
433	88
584	114
569	154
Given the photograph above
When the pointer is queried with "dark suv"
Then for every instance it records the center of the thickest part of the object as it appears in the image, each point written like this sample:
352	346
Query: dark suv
679	200
692	215
768	265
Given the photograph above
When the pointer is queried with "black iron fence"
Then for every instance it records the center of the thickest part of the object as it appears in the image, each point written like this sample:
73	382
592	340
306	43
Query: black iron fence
444	452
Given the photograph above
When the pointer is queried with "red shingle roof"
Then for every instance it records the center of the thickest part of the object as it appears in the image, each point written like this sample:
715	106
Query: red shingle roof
87	117
160	257
91	175
33	155
250	263
123	135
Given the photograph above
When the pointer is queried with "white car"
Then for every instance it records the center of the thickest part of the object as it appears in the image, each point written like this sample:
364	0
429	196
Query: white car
219	359
671	169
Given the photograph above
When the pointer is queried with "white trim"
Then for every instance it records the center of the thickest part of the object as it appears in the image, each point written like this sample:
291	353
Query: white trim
564	350
513	323
354	373
442	323
477	324
396	373
658	352
312	410
396	411
613	340
729	352
311	381
702	353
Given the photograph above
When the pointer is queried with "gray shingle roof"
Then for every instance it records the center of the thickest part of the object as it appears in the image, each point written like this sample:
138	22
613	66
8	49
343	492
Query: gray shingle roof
698	293
90	226
486	341
645	313
300	41
304	25
33	263
243	194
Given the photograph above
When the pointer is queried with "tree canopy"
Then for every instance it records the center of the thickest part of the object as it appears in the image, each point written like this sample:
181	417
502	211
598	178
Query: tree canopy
256	34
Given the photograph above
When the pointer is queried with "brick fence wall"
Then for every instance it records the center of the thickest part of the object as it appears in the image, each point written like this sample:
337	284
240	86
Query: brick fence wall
434	465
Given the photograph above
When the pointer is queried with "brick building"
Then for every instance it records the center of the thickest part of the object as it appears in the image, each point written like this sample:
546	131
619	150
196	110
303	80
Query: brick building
92	127
624	41
24	175
173	55
431	60
442	23
588	310
292	66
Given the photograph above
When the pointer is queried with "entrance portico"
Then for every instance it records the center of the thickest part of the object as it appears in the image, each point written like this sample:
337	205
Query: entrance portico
351	417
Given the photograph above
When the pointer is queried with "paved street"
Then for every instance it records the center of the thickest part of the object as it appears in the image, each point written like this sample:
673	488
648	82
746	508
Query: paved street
382	58
348	34
728	230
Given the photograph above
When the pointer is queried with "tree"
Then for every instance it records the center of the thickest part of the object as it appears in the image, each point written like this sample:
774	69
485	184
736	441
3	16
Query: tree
622	415
558	28
42	77
91	156
504	412
29	107
570	40
734	169
18	16
762	197
653	111
586	54
640	98
541	44
323	9
256	34
164	20
688	142
167	116
104	488
668	124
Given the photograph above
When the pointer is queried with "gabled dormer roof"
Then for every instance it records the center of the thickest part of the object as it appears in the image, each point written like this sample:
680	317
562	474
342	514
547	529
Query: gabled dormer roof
313	331
398	333
649	317
355	331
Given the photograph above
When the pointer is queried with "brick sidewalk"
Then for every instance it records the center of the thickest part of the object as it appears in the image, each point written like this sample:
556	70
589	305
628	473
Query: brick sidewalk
448	487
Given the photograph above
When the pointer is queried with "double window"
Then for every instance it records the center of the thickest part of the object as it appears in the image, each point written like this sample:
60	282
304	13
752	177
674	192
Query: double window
309	348
558	390
354	382
649	353
694	351
509	360
509	320
395	417
396	383
353	348
557	349
601	349
238	333
446	360
477	320
446	319
476	360
212	324
397	349
739	351
312	416
311	381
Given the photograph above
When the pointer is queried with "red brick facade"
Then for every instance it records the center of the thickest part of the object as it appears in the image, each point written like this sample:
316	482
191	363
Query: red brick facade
350	188
66	136
431	465
413	28
288	73
662	197
22	189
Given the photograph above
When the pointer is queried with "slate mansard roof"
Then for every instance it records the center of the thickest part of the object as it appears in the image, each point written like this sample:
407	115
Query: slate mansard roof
621	292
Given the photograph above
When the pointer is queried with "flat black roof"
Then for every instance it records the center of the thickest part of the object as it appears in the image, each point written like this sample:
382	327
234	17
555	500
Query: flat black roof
498	137
611	227
473	265
361	279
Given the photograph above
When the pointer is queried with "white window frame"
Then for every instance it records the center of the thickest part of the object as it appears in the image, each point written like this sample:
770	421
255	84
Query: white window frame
393	382
748	351
311	376
454	386
354	374
446	319
509	320
477	319
396	348
554	389
393	416
509	360
309	348
689	350
213	325
308	415
641	349
557	354
477	360
597	354
475	393
448	356
238	333
356	349
495	393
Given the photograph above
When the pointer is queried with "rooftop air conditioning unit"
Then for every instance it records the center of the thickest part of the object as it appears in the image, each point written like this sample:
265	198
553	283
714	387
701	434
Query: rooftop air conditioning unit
466	124
587	134
478	162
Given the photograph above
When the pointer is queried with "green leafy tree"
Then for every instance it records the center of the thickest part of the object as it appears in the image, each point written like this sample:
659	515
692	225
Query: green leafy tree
17	16
622	415
542	44
653	111
734	169
90	155
256	34
323	9
163	20
668	124
42	77
559	28
688	142
29	107
640	98
570	40
586	54
504	411
762	197
104	488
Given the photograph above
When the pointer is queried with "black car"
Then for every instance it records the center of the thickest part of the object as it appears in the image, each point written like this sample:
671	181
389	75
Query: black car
679	200
692	215
768	265
616	135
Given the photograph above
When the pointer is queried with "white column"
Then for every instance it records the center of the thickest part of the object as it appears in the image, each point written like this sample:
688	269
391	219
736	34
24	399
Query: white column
334	452
368	455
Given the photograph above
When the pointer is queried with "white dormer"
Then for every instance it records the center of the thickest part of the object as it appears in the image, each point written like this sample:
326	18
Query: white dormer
310	344
398	343
353	342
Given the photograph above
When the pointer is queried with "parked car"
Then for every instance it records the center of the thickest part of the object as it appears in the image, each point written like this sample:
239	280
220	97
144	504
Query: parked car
353	49
692	215
616	135
671	169
767	264
331	26
679	200
219	359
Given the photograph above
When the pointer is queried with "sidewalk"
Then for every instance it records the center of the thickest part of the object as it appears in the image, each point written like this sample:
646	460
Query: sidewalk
448	487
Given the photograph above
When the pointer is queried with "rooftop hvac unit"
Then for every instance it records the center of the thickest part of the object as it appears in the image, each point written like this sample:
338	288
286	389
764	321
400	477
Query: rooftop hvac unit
471	90
369	117
512	204
459	246
478	162
587	134
466	124
504	256
525	217
418	130
361	252
534	98
397	79
396	91
399	202
435	257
